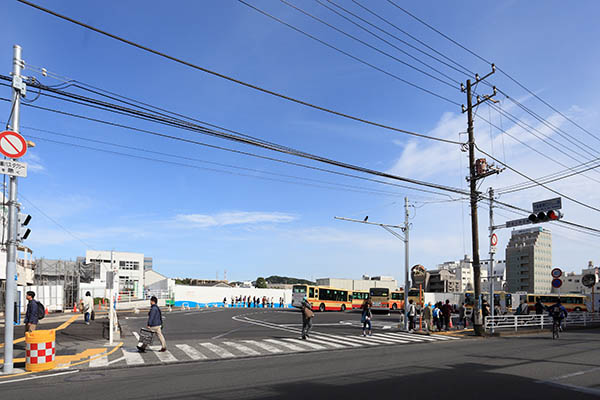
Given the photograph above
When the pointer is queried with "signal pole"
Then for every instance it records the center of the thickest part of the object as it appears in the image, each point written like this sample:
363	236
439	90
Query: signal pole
491	276
474	195
11	254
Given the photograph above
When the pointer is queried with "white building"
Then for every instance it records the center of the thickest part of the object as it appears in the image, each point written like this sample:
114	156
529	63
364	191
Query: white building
129	267
463	271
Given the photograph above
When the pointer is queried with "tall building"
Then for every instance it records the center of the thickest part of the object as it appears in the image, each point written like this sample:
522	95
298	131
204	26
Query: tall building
529	261
129	267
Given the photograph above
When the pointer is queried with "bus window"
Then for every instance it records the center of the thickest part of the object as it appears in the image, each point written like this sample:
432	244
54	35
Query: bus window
299	289
311	292
379	292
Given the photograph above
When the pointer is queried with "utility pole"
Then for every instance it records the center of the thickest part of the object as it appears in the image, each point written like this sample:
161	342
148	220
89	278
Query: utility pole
491	277
111	317
406	263
390	229
474	197
11	255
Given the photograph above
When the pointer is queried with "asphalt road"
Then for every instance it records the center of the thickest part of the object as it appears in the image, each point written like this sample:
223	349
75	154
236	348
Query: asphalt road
532	366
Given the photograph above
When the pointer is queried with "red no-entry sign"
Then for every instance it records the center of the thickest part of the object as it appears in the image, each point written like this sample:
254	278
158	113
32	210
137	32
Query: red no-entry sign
12	145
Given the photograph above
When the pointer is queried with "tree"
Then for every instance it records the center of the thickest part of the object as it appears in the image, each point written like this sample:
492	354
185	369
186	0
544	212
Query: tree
261	283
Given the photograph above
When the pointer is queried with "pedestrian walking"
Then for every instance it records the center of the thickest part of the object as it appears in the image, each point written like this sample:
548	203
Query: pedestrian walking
31	315
155	323
367	316
412	313
462	317
428	318
539	307
447	314
437	316
307	316
87	307
225	302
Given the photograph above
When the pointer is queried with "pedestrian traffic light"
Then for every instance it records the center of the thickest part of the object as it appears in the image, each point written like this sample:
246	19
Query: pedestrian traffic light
545	216
22	230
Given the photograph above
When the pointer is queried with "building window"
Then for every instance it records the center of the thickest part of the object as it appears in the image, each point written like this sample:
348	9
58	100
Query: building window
129	265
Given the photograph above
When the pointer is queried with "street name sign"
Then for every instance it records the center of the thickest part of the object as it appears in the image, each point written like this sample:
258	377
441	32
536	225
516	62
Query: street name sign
13	168
12	145
518	222
547	205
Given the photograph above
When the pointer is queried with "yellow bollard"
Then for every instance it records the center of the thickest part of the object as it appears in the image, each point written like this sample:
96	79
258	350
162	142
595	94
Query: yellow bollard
41	350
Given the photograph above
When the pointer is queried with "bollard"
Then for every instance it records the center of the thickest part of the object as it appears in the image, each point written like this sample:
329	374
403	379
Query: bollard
40	350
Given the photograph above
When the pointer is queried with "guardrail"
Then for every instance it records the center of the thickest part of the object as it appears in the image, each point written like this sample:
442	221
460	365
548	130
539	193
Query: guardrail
540	321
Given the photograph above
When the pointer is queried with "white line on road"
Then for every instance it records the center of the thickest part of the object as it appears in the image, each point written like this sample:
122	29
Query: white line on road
38	377
264	346
328	343
281	343
132	357
116	360
411	336
221	352
574	374
191	352
99	362
226	333
137	335
164	356
397	337
339	339
241	348
306	343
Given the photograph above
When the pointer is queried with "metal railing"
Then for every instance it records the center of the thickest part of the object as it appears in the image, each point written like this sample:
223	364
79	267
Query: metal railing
540	321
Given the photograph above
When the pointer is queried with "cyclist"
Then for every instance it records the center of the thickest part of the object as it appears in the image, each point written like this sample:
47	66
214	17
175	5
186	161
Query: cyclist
558	312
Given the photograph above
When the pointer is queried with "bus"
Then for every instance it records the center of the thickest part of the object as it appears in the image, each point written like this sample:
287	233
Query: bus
358	297
502	300
322	298
572	302
380	298
397	299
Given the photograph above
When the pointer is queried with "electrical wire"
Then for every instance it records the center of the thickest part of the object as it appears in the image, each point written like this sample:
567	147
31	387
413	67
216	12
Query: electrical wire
360	60
190	141
231	79
539	183
499	69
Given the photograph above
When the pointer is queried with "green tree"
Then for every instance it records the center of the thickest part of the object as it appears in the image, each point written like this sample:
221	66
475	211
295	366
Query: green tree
261	283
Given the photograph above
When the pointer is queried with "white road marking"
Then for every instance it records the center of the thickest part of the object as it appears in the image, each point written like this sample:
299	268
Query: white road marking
132	357
312	339
306	343
264	346
164	356
574	374
116	360
244	349
381	340
340	339
38	377
137	336
396	337
191	352
99	362
412	337
285	344
221	352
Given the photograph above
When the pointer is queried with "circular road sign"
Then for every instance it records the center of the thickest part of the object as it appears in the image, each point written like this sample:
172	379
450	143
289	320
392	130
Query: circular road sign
494	239
588	280
12	145
556	273
556	283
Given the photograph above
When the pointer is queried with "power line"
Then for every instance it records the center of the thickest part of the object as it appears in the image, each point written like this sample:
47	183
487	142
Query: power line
499	69
538	183
360	60
190	141
231	79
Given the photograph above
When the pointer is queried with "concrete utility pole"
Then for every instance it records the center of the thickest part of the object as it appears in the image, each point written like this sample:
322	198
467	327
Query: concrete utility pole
477	320
11	255
491	276
390	229
111	318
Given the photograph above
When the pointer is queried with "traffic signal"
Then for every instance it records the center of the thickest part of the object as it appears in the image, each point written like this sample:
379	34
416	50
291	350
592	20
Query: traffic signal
22	230
545	216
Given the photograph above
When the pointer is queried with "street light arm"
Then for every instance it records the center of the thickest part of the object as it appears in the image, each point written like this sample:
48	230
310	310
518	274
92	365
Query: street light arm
399	236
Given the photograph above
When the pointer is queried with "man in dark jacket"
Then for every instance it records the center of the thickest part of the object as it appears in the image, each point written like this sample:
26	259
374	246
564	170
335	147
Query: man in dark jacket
307	316
155	324
447	313
539	307
31	316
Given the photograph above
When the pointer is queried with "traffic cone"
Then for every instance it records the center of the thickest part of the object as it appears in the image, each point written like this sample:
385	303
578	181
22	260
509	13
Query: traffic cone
75	308
47	311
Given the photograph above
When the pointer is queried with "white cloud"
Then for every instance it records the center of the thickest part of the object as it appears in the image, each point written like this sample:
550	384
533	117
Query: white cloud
34	162
234	218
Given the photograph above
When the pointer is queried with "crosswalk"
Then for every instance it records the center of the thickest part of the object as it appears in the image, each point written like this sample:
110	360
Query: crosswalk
230	349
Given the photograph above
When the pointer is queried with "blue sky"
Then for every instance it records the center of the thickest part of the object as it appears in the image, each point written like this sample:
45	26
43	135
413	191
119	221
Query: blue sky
198	223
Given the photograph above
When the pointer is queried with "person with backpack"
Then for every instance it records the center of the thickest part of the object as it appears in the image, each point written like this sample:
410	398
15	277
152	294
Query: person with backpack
307	316
31	315
155	325
437	316
427	318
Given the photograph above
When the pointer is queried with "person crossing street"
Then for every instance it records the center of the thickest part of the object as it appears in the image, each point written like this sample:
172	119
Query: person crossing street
307	316
155	323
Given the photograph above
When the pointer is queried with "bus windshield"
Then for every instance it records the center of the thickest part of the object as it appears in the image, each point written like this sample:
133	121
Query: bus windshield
379	292
299	289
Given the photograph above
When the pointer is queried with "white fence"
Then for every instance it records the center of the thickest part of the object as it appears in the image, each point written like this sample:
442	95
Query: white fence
540	321
51	296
